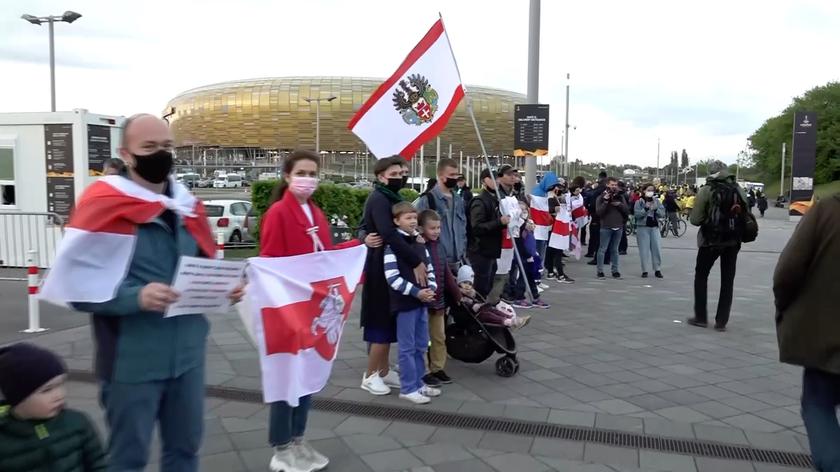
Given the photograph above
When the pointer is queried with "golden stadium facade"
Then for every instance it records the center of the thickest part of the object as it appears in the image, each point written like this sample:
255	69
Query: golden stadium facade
272	114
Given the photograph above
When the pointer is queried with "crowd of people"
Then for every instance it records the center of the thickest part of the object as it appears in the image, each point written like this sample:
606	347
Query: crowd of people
491	248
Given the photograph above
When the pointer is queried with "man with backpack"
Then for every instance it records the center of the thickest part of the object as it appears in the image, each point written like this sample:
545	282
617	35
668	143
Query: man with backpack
443	199
721	211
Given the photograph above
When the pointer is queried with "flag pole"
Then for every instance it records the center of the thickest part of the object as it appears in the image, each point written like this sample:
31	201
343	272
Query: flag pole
468	98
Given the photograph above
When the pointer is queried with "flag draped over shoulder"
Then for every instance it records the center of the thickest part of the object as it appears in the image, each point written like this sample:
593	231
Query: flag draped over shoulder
561	230
98	244
299	305
580	218
415	103
542	217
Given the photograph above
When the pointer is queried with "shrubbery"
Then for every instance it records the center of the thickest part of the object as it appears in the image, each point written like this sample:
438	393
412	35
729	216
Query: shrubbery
340	203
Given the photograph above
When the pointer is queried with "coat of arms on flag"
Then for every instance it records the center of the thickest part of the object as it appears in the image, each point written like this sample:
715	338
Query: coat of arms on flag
416	100
298	307
425	90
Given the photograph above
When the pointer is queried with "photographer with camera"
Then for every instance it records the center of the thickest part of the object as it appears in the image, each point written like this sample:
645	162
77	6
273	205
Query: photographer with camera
612	209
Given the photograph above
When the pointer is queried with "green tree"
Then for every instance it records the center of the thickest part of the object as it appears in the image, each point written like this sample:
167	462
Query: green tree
766	141
685	163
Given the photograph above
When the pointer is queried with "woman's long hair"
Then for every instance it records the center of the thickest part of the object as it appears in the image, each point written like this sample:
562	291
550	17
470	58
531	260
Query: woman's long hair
288	165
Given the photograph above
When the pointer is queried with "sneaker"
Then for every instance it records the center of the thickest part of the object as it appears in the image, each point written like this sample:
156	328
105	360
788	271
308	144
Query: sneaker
658	274
429	392
392	379
550	275
309	458
521	304
565	279
540	304
521	322
431	380
543	286
287	459
375	385
507	300
540	289
415	397
622	253
601	276
616	275
699	324
720	328
592	262
444	379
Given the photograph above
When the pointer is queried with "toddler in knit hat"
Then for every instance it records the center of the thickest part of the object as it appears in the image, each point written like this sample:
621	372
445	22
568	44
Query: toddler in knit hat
37	432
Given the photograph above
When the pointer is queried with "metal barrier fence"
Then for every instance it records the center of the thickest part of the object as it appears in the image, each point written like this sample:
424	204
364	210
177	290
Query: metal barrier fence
21	232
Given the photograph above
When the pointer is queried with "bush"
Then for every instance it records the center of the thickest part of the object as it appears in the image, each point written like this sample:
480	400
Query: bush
336	201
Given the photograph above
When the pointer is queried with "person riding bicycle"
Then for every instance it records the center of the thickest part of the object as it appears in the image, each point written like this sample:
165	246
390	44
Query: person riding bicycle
672	210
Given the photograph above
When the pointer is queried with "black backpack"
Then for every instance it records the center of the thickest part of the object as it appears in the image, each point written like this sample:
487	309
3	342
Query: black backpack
729	216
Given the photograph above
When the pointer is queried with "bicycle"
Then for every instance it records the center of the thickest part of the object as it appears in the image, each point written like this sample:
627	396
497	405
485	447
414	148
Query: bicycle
677	228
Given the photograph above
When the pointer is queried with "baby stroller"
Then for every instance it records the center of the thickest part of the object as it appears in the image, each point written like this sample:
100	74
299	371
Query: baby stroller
470	340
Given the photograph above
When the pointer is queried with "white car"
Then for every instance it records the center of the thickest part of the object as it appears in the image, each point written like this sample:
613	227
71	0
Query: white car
228	181
231	218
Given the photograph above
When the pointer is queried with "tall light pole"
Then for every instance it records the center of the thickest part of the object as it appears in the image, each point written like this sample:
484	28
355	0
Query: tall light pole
67	17
566	148
657	158
533	81
318	117
782	180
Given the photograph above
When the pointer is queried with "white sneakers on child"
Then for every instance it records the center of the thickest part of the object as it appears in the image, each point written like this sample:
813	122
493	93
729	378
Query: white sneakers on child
375	384
298	457
415	397
431	392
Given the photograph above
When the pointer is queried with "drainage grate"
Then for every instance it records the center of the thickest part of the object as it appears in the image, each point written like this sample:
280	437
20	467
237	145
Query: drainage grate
524	428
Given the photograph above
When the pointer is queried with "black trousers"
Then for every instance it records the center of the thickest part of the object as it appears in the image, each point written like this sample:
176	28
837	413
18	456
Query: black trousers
622	246
706	257
485	270
594	240
583	235
554	261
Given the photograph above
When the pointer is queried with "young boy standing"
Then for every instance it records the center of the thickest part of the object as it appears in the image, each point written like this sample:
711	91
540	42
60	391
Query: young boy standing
409	302
36	431
447	287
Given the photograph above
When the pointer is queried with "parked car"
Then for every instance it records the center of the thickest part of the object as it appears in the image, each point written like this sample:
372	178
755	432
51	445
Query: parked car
190	180
231	217
204	183
228	181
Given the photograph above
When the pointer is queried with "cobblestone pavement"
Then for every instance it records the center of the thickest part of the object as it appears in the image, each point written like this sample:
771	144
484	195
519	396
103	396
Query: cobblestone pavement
613	355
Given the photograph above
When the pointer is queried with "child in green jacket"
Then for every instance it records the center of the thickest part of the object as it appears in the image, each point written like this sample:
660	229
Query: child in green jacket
37	433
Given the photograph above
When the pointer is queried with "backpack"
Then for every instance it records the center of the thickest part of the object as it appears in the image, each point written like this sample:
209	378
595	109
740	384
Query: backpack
729	217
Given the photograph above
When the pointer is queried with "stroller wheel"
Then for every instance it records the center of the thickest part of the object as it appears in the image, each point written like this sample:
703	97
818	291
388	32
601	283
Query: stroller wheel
506	367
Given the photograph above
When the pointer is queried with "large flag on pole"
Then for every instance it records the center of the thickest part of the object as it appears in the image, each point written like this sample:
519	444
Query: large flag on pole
299	306
415	103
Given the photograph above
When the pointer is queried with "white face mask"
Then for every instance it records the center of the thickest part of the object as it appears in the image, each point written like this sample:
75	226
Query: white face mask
649	194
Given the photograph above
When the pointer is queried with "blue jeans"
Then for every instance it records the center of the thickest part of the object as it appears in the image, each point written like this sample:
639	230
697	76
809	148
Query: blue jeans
820	398
287	422
541	245
610	238
650	247
132	409
412	342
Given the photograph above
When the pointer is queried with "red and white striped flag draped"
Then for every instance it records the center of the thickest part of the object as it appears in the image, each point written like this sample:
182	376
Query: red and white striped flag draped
299	306
415	103
562	228
542	217
98	243
580	218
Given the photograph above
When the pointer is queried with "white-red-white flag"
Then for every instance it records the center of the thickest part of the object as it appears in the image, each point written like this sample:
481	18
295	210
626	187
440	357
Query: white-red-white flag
415	103
98	244
542	217
561	230
299	306
580	218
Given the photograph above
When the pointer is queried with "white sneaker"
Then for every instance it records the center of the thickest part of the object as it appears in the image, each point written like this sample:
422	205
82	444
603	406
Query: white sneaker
392	379
287	460
543	286
309	458
431	392
375	385
416	397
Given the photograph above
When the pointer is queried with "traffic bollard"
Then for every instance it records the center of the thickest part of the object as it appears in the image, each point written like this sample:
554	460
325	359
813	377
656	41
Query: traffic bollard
33	287
220	245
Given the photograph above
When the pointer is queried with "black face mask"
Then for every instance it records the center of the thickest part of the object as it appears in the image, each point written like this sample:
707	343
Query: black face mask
396	184
404	180
153	168
451	183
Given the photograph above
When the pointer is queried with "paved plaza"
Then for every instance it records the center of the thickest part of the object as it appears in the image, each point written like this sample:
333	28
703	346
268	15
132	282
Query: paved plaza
611	355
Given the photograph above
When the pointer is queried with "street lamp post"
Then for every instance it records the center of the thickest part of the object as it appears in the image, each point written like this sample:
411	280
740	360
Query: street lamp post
318	117
67	17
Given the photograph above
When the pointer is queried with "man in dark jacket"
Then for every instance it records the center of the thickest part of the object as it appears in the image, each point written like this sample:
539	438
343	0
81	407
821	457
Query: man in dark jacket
713	246
612	209
485	245
805	285
590	198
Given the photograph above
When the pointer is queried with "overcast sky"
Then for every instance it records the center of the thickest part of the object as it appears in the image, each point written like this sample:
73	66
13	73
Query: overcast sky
698	75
